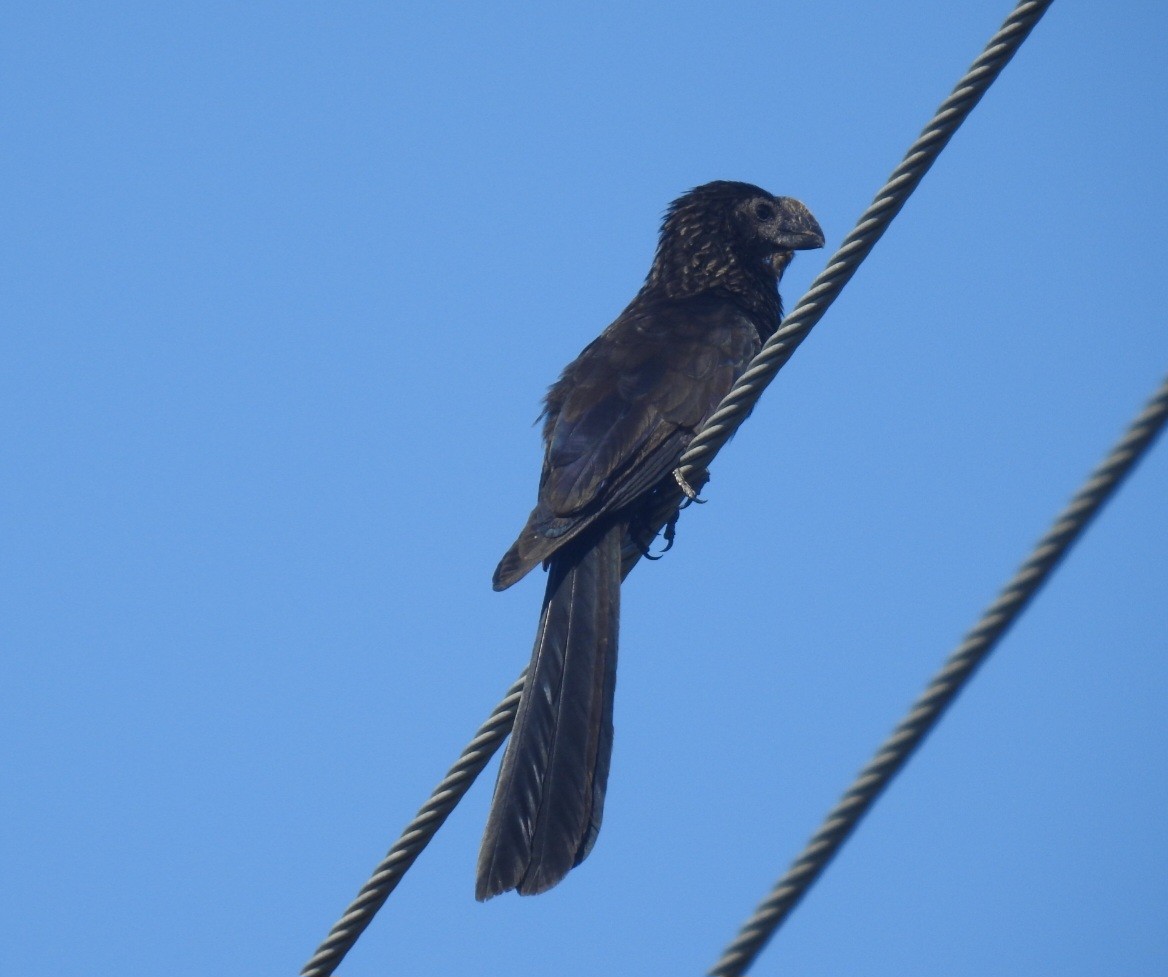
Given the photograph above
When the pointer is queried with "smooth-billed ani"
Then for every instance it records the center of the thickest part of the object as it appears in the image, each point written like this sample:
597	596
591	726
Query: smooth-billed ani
616	423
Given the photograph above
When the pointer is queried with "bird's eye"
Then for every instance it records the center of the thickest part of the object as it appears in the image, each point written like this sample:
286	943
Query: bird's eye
764	212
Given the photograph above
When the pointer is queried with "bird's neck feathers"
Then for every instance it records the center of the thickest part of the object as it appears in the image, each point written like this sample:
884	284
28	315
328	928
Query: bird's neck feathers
690	261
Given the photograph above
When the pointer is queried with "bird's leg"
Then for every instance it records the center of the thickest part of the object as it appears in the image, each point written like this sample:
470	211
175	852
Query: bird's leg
637	532
670	533
641	544
640	528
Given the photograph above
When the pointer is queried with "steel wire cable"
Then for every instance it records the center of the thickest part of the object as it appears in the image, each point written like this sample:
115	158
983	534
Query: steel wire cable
708	441
958	668
738	403
416	835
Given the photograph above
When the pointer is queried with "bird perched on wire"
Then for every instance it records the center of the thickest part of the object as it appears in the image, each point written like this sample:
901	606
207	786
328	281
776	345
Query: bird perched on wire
615	425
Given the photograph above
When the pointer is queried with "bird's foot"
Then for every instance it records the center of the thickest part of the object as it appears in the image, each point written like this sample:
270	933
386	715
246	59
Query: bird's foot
669	535
686	488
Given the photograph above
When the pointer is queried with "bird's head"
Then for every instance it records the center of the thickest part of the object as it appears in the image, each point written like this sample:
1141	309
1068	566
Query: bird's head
775	227
723	228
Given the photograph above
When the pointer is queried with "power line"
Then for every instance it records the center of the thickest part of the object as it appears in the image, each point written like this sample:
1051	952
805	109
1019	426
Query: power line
416	836
959	667
891	197
708	441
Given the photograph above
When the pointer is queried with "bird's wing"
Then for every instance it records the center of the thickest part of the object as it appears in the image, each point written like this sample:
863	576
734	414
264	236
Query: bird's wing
622	413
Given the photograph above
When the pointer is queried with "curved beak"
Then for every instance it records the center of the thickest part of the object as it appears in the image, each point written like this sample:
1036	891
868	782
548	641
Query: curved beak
798	230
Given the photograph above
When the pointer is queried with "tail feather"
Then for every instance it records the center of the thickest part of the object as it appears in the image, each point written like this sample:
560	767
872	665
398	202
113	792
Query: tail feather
549	798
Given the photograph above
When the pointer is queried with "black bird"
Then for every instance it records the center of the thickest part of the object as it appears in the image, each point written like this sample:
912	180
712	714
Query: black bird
615	424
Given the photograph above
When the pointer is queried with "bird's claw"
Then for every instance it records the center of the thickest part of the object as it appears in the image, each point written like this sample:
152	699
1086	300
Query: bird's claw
686	488
669	535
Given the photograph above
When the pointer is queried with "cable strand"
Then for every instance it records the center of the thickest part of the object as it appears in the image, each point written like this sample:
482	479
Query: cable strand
747	390
416	836
958	668
709	440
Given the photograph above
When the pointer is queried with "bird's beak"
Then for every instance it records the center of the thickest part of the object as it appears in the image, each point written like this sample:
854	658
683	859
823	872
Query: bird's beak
798	230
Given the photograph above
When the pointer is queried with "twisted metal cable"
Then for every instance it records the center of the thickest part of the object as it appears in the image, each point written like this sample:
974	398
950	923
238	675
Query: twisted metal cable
445	797
708	441
739	402
416	836
943	689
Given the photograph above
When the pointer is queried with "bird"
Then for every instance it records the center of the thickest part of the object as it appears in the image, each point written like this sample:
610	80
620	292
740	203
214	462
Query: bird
615	425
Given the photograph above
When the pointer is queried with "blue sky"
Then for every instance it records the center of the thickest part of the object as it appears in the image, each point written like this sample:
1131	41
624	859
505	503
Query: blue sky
284	286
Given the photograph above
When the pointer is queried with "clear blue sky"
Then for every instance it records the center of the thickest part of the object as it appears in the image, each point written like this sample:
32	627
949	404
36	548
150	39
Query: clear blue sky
284	284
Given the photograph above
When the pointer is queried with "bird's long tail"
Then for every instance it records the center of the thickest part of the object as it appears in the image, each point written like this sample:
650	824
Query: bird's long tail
549	797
